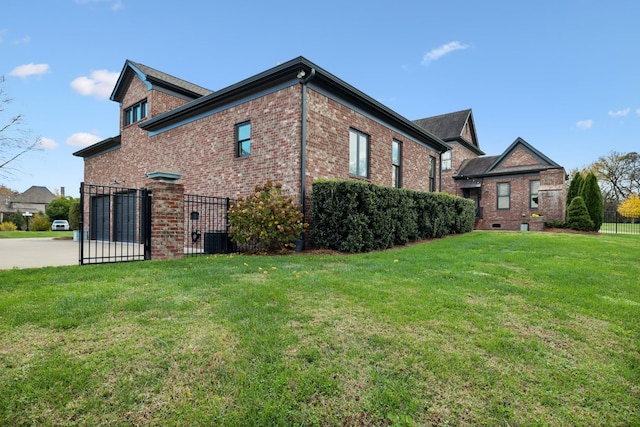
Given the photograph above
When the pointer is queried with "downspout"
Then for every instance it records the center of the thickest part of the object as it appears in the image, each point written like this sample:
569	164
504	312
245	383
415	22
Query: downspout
303	140
440	174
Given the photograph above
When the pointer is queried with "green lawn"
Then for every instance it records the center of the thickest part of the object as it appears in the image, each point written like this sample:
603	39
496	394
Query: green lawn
487	328
34	234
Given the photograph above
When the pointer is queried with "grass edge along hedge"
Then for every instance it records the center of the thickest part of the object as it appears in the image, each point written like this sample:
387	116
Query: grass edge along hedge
354	216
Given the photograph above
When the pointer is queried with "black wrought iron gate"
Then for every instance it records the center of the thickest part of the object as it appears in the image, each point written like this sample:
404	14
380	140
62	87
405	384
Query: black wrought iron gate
115	224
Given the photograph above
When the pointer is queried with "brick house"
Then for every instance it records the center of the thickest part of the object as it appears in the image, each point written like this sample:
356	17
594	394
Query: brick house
293	123
519	189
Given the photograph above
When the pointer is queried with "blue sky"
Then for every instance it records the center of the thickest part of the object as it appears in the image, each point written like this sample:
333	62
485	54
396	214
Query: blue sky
563	75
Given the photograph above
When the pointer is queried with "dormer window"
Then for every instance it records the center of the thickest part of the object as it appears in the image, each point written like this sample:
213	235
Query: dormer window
135	113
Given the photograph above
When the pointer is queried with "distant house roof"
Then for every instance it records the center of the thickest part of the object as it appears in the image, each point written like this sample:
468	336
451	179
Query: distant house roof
35	194
157	80
487	166
450	127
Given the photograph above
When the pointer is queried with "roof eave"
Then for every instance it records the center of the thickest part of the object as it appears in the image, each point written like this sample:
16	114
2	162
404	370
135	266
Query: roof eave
280	74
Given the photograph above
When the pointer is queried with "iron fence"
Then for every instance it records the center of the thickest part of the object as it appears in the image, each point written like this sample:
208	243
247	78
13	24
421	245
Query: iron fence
206	225
616	223
114	224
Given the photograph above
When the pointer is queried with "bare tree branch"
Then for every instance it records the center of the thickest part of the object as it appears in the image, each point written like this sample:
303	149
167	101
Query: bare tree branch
15	141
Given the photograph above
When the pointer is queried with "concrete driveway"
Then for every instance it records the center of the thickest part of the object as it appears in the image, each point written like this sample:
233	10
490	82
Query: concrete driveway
37	252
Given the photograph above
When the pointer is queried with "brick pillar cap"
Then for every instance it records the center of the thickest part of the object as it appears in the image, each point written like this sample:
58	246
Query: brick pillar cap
169	177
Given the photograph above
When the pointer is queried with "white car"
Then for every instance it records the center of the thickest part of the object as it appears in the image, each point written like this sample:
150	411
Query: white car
60	225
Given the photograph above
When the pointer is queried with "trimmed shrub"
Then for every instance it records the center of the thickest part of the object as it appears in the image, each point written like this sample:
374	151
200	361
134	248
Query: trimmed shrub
574	187
353	216
74	214
578	216
40	222
592	196
267	221
8	226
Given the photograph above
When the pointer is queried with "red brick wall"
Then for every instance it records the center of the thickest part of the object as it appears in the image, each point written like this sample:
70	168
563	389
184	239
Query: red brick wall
167	220
328	128
203	151
458	155
551	201
519	157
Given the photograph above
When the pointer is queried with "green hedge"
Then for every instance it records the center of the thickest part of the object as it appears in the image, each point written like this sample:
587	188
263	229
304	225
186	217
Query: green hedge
353	216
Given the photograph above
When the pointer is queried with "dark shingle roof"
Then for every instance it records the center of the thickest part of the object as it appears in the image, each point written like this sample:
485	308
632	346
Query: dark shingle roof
445	126
477	166
494	165
286	74
155	78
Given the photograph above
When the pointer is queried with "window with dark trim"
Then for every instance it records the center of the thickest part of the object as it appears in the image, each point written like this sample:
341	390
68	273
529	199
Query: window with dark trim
358	154
396	163
533	193
135	113
504	195
243	139
432	173
445	159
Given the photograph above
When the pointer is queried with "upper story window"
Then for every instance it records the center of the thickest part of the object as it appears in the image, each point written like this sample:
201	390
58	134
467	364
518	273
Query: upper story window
432	173
135	112
504	195
243	139
445	158
396	164
533	193
358	154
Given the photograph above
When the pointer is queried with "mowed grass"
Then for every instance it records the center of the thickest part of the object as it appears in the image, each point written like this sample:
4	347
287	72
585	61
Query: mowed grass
35	234
487	328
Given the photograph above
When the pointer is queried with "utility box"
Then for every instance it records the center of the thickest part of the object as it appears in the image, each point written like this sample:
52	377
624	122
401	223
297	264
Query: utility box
217	243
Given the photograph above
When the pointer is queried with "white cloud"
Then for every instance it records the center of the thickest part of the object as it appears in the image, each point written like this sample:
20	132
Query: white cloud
585	124
47	143
23	41
82	139
116	5
439	52
28	70
620	113
100	84
638	111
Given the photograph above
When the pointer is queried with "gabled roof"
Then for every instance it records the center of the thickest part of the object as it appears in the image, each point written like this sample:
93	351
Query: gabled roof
450	127
295	71
494	165
157	80
35	194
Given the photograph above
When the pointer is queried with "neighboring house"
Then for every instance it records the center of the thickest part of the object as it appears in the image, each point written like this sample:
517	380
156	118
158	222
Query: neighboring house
293	123
34	200
519	188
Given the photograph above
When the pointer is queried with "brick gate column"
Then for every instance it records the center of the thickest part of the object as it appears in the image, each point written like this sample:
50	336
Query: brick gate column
167	217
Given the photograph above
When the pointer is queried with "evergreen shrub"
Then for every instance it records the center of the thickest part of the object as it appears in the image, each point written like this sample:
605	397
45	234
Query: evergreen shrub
578	216
354	216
